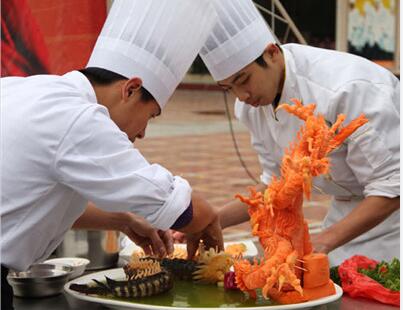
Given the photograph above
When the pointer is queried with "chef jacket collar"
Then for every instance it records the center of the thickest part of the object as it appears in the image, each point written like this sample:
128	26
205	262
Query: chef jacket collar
288	91
288	87
83	84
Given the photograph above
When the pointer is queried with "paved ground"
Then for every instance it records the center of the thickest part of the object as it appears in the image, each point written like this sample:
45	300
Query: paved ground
192	139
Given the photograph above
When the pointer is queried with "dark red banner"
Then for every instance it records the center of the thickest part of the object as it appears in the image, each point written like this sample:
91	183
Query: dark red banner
48	36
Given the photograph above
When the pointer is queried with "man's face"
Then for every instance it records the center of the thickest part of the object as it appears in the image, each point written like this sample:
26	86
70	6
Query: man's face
132	113
257	85
137	118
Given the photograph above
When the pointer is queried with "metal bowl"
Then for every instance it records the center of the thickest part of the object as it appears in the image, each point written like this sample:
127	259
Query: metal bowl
100	247
40	280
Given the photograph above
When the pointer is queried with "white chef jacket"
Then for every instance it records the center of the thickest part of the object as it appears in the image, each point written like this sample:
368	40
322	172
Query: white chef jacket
368	162
60	149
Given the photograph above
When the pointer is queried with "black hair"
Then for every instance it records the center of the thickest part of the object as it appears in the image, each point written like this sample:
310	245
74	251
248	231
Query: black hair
260	61
103	77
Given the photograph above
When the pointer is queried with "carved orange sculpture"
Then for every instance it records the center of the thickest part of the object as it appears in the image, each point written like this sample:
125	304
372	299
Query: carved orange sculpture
277	219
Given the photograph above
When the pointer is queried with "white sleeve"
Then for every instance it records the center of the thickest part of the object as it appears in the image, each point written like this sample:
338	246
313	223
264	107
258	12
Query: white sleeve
374	149
266	158
98	161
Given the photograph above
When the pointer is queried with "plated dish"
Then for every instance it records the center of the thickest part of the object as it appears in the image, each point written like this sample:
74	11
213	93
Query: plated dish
186	295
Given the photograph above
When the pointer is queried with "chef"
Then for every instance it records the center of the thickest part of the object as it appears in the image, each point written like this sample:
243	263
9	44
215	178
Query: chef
67	140
242	56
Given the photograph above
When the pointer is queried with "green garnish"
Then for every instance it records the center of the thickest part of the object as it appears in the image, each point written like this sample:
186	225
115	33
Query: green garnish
334	275
387	274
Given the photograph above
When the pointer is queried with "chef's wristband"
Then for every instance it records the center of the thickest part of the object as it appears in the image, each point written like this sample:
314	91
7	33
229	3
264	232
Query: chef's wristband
185	218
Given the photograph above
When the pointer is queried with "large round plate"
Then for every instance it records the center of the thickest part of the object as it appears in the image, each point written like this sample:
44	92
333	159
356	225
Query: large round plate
118	273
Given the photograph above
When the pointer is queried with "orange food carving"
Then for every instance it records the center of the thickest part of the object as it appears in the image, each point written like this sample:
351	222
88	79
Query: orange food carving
276	215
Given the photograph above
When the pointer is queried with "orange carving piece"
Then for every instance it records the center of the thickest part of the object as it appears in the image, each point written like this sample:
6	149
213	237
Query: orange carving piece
277	219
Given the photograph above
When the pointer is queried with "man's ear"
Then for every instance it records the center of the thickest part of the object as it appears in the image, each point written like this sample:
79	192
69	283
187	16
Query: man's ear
131	87
270	52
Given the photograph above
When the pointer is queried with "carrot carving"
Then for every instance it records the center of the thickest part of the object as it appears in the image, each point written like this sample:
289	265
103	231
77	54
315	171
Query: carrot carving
277	219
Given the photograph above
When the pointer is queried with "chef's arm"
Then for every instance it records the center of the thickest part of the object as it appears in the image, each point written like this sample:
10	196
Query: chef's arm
202	215
372	211
236	212
94	218
135	227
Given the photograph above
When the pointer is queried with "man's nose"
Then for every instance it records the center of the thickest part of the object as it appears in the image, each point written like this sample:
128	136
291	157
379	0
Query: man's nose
242	95
141	134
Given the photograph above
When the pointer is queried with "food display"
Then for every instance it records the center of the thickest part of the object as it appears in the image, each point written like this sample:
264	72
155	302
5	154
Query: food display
144	277
288	272
147	276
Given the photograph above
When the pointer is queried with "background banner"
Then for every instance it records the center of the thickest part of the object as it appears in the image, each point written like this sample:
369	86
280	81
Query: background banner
48	36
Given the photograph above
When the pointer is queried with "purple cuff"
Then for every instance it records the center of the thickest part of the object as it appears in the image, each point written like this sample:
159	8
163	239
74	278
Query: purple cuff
185	218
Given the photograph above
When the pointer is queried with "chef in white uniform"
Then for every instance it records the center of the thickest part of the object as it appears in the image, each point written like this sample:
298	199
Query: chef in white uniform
364	181
67	140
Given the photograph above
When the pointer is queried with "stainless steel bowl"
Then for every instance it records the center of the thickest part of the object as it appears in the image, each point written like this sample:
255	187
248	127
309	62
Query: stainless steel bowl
40	280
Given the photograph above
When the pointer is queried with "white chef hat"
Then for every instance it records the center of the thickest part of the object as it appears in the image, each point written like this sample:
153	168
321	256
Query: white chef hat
155	40
239	37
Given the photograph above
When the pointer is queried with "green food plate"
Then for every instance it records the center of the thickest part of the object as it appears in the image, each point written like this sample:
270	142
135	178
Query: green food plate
187	294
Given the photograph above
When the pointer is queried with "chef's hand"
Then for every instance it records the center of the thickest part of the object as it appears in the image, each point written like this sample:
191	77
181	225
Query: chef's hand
320	243
211	237
153	242
205	225
178	237
134	226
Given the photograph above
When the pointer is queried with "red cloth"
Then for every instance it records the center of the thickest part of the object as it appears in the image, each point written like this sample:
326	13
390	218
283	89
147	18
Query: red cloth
357	284
70	29
23	49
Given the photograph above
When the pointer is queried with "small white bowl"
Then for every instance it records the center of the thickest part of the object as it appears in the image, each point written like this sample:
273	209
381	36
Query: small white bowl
77	263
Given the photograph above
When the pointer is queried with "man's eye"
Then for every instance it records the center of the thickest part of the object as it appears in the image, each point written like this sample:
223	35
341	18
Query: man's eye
245	81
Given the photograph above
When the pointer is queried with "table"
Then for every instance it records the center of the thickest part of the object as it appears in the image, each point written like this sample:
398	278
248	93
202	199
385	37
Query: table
66	302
